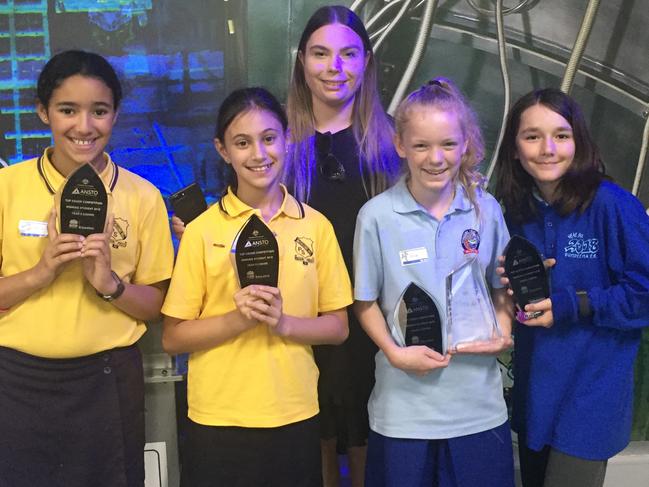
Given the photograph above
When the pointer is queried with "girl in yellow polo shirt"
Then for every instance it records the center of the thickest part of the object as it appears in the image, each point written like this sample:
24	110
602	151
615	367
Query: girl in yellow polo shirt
252	381
71	382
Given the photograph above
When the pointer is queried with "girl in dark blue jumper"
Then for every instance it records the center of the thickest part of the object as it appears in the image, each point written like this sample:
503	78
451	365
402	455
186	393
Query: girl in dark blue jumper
573	365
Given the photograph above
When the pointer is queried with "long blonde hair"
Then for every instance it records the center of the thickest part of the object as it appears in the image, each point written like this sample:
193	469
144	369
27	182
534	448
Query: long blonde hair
379	163
442	94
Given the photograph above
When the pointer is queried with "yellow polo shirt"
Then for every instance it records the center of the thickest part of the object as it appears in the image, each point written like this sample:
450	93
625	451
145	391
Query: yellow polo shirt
67	319
256	379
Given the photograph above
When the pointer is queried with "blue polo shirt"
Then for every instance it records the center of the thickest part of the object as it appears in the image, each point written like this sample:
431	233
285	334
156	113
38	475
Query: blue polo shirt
466	397
573	382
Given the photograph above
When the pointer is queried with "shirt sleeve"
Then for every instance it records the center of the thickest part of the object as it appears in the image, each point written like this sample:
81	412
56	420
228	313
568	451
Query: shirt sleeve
186	292
334	287
500	238
368	261
155	262
623	302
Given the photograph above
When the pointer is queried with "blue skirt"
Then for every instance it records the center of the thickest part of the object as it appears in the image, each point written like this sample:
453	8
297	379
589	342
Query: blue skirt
72	422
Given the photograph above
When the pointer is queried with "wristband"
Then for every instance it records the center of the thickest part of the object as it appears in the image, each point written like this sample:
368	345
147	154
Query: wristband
585	311
118	292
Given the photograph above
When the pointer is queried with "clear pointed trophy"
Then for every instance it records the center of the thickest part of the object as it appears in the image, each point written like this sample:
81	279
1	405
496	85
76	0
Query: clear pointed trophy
83	202
418	320
528	278
470	312
255	254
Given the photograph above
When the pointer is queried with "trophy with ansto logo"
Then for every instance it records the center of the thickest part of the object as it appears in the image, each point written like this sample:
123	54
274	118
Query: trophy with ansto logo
256	254
83	202
418	320
528	278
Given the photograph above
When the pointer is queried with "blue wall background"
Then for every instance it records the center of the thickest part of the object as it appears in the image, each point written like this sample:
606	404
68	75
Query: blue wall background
170	57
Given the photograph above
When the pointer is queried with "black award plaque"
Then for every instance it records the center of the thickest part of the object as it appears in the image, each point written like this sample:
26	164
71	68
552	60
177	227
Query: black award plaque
256	254
419	320
527	275
83	203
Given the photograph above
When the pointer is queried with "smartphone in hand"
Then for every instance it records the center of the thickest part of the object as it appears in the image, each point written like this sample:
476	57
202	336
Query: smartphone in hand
188	202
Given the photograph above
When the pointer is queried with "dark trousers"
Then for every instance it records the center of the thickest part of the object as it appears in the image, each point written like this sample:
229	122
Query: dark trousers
228	456
72	422
552	468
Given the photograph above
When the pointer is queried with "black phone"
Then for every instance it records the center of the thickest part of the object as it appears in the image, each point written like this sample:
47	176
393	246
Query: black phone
188	202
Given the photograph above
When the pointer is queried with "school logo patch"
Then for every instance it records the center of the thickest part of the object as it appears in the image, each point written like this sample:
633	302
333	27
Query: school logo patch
120	233
470	241
580	247
304	250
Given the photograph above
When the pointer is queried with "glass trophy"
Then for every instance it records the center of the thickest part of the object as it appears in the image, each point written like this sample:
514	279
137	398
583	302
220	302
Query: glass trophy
470	312
528	278
83	202
418	319
256	254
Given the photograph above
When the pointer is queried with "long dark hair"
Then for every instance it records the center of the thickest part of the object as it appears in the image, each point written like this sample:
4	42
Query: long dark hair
241	101
576	189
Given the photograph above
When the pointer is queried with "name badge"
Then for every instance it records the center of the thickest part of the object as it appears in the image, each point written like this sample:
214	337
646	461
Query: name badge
413	256
32	228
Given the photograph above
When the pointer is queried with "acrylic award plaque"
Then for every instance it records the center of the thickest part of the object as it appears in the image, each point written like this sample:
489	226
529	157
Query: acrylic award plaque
83	202
256	254
470	312
418	319
527	275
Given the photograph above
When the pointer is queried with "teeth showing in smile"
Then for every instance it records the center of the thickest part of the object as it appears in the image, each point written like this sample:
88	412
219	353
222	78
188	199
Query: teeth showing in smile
434	172
83	141
263	168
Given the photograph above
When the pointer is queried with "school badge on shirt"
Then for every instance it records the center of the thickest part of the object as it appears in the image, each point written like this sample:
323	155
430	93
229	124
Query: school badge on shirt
304	250
120	233
470	241
580	247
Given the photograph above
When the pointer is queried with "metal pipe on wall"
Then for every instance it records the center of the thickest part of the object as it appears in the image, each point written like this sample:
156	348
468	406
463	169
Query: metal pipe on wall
502	55
643	155
580	45
417	53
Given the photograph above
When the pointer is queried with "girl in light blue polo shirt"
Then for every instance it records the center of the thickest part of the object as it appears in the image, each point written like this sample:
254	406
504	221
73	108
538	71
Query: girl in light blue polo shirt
435	419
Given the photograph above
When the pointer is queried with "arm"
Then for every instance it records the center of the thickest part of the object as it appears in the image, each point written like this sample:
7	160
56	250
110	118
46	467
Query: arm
619	297
416	358
142	302
60	250
177	227
180	336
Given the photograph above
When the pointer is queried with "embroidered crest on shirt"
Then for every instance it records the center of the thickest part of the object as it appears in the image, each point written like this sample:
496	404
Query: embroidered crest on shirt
120	233
470	241
304	250
581	248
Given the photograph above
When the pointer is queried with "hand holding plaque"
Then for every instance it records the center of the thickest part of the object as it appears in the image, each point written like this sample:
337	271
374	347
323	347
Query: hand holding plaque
469	309
83	202
527	275
256	254
418	319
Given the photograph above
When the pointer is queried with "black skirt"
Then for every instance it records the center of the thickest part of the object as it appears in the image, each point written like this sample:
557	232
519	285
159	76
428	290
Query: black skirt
72	422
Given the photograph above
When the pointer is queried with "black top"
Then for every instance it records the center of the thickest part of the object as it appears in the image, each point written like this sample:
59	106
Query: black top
338	199
347	370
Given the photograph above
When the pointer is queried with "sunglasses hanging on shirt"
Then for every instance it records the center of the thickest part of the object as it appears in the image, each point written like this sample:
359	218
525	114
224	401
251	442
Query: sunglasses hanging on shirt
328	164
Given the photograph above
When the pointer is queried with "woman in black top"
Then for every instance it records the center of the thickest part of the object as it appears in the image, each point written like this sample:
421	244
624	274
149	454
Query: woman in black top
341	155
